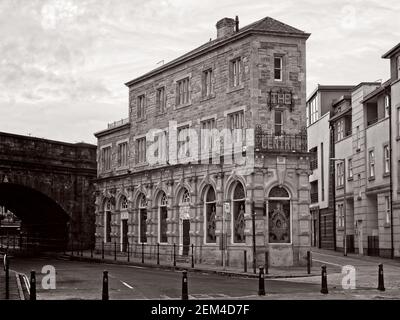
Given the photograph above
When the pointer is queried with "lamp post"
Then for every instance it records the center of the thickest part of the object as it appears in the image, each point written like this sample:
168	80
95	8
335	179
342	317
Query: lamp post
344	203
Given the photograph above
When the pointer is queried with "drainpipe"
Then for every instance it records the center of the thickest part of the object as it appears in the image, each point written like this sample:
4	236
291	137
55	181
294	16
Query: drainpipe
332	175
390	176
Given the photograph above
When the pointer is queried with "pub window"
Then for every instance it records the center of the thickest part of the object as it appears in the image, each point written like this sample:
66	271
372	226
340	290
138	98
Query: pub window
141	111
210	213
278	68
183	142
278	122
238	222
123	154
141	150
207	82
142	218
106	158
236	72
279	216
182	91
124	203
160	100
163	215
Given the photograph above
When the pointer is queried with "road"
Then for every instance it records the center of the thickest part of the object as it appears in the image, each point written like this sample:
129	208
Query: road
80	280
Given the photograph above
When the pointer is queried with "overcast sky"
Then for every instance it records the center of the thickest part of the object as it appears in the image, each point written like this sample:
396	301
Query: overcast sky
63	64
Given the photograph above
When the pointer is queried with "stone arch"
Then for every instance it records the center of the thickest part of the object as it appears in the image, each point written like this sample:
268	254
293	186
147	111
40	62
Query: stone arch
119	197
179	193
231	184
203	187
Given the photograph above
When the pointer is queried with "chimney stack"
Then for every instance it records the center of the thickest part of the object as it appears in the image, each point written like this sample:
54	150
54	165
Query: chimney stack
225	27
237	24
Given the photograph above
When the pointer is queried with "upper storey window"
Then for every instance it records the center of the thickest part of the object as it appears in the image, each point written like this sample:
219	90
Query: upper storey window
106	158
182	92
141	107
207	83
236	72
160	100
278	65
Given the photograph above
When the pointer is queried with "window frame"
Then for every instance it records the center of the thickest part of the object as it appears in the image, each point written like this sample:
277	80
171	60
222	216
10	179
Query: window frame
207	83
236	72
386	159
280	68
371	164
139	150
161	104
141	107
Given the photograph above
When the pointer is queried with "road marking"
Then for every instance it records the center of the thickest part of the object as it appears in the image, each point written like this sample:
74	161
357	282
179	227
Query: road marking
126	285
331	263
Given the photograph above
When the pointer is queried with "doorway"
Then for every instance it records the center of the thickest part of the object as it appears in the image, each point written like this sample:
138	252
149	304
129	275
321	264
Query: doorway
185	237
124	234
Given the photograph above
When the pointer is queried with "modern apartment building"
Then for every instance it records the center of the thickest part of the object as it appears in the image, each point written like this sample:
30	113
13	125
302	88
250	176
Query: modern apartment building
155	189
364	129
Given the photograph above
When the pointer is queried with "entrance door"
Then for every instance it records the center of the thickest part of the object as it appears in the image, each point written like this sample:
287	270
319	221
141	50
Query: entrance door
185	236
124	233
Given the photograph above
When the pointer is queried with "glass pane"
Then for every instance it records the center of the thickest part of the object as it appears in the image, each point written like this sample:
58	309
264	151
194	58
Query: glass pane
279	221
239	192
239	223
210	223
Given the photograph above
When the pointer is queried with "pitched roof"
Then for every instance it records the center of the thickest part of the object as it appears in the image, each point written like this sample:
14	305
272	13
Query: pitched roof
391	52
266	25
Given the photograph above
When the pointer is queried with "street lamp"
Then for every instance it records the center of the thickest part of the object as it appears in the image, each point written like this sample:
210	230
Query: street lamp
344	202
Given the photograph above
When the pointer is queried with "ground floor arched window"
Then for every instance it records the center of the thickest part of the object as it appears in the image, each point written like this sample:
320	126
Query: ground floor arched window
238	221
279	218
142	218
210	213
163	215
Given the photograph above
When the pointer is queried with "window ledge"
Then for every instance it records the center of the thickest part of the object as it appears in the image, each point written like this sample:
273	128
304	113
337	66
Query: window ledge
141	164
350	179
386	174
209	97
122	168
141	120
339	187
234	89
386	225
180	106
371	178
340	228
159	114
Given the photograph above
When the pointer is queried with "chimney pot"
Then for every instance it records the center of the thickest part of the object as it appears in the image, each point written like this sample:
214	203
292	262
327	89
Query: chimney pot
225	27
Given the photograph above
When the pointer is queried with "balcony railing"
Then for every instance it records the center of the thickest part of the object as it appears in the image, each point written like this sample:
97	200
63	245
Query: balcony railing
118	123
266	141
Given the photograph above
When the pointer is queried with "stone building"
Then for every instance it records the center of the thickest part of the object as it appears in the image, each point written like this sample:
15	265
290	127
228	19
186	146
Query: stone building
247	190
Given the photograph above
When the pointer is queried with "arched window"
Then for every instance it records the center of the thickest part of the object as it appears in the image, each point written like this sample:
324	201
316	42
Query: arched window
279	216
107	221
163	215
124	203
210	212
238	221
142	204
186	196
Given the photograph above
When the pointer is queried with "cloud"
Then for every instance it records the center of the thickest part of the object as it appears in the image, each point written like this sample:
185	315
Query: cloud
64	63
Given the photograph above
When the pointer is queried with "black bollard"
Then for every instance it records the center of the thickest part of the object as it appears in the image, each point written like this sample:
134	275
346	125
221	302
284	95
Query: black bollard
115	250
7	270
266	262
185	295
32	284
127	249
308	262
91	252
142	252
245	261
261	283
324	282
381	284
158	253
105	286
102	250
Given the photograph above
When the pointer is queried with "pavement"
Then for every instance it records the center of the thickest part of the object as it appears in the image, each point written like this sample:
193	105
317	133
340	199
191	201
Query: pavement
135	260
14	286
83	279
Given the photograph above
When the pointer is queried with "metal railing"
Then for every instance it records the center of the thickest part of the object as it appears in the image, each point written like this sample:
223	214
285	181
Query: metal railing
117	123
266	141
